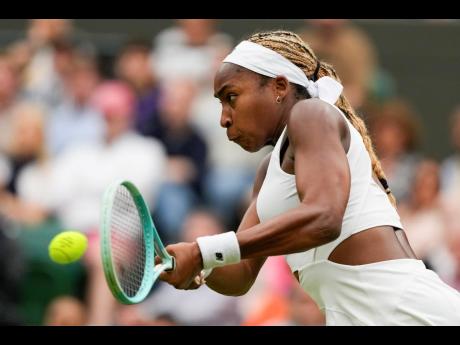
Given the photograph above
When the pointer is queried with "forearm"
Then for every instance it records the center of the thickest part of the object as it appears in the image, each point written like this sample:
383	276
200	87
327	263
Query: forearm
237	279
297	230
233	280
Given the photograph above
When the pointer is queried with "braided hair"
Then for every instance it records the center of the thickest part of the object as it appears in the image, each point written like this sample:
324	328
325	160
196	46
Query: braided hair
293	48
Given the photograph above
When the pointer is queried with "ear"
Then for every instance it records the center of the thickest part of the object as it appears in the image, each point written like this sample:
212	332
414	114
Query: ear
281	86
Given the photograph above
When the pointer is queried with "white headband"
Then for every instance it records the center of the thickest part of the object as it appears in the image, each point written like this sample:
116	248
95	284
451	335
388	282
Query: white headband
267	62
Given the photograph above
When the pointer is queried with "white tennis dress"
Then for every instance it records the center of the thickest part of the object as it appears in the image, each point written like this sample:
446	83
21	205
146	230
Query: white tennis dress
393	292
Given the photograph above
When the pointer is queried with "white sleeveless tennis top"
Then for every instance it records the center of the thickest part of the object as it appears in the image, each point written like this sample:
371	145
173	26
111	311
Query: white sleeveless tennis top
368	205
392	292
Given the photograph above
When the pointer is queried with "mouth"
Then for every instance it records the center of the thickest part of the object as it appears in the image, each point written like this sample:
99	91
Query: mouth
232	138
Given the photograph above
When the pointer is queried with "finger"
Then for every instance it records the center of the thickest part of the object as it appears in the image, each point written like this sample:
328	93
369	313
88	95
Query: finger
157	260
165	276
193	286
197	280
170	249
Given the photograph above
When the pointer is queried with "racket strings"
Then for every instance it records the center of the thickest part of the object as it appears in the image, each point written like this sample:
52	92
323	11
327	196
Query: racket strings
127	239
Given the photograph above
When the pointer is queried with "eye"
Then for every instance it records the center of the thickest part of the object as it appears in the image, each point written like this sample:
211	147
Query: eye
231	97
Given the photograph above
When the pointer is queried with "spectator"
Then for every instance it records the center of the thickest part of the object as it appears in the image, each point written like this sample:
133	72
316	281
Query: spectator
266	304
187	156
446	261
30	212
450	168
452	261
133	66
65	311
9	95
75	120
11	273
43	81
422	214
30	197
19	54
5	171
352	53
188	50
84	171
395	132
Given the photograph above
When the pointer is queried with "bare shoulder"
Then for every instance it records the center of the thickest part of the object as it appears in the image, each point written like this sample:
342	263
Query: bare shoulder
313	110
314	116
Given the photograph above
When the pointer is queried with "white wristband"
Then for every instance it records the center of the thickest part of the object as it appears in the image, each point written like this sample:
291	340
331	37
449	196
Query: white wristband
206	272
219	250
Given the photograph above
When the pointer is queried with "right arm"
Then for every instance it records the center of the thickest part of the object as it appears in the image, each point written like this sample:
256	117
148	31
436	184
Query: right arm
237	279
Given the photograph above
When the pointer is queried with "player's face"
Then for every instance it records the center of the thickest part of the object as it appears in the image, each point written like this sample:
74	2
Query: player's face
249	111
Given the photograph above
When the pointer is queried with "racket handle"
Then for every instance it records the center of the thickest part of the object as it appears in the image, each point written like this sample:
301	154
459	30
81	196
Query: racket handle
173	264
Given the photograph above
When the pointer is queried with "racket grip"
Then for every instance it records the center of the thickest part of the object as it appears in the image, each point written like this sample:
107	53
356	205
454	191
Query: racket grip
173	264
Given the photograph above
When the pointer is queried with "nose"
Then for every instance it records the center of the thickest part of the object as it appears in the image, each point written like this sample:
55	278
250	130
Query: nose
225	119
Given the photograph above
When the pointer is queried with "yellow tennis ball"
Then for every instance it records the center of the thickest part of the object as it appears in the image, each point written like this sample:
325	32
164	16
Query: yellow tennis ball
67	247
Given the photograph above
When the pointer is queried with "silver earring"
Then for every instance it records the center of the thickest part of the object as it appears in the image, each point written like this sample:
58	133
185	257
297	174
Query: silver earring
278	99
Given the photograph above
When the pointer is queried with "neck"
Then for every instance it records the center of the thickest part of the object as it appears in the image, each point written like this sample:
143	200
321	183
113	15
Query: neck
283	120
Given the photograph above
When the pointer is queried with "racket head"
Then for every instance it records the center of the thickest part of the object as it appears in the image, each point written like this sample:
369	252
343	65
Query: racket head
128	242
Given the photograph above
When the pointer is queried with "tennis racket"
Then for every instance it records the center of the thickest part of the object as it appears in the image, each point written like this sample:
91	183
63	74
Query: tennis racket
129	243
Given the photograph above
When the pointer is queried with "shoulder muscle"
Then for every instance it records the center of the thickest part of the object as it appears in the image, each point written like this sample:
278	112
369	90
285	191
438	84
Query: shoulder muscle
313	116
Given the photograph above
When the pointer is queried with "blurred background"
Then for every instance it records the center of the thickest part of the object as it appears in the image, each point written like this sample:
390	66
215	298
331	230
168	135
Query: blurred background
84	102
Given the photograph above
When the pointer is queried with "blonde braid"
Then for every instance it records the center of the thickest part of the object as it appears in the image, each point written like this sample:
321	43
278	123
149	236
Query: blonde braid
293	48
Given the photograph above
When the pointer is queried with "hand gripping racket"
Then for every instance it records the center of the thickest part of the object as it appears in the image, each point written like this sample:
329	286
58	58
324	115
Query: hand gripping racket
129	243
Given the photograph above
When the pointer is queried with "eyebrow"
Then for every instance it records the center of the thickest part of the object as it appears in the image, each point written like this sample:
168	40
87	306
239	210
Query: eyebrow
221	91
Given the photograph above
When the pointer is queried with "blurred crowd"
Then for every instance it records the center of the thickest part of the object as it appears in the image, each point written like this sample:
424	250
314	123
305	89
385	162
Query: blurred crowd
67	130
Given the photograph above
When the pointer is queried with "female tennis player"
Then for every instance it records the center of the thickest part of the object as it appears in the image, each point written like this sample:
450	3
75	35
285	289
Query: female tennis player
320	198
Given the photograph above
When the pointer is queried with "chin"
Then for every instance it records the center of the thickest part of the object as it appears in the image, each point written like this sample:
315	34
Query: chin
249	148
